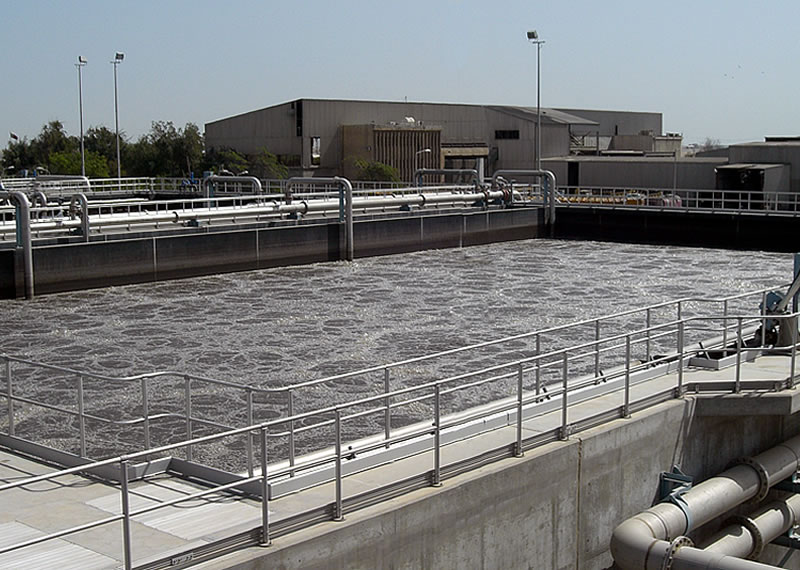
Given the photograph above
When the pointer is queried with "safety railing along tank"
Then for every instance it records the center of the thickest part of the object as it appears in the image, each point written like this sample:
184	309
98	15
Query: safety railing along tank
768	203
514	403
31	384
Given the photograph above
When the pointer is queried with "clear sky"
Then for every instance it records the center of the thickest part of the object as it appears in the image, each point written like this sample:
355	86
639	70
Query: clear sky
723	70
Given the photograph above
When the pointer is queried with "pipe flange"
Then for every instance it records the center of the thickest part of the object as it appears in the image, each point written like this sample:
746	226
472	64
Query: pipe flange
424	199
674	546
763	476
751	527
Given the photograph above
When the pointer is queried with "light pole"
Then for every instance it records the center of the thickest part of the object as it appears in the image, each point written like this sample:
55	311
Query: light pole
79	65
533	37
118	57
416	155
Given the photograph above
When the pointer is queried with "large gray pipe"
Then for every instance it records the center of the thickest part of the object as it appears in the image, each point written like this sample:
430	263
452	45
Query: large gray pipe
747	536
344	188
272	208
24	240
81	201
550	191
644	541
216	178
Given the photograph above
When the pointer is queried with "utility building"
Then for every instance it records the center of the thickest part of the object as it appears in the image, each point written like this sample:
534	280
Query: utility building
320	137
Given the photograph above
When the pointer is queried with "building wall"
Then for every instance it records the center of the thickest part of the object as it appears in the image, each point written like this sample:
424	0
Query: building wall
771	152
618	122
640	172
275	129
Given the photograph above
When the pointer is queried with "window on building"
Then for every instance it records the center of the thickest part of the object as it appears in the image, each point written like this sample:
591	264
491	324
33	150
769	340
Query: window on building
315	153
510	134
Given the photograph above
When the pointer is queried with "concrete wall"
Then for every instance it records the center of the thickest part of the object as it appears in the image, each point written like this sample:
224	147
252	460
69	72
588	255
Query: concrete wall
170	255
553	509
727	231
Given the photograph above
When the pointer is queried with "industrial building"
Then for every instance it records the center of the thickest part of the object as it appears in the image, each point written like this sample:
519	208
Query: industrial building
584	148
319	137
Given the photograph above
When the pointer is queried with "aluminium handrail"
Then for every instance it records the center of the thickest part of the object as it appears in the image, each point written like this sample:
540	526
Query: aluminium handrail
265	426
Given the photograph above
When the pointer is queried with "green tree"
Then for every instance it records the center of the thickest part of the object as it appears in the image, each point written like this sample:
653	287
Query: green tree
375	171
102	141
65	162
265	165
227	159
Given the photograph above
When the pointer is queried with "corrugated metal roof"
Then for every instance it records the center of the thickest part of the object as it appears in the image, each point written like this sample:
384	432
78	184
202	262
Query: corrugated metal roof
548	115
750	166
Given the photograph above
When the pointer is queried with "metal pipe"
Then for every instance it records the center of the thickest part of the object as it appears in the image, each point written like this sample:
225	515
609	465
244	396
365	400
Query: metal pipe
346	189
550	193
81	200
641	541
273	208
746	536
217	178
24	239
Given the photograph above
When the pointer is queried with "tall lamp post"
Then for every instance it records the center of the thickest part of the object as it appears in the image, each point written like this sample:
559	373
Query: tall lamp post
533	37
79	65
416	156
118	57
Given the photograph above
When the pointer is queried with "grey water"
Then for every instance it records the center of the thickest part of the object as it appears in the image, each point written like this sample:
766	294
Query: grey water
281	326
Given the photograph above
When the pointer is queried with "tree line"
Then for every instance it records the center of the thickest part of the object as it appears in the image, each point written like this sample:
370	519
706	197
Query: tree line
166	151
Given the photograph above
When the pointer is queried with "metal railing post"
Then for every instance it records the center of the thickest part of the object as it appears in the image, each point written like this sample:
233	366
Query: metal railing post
249	440
648	323
597	348
387	412
763	320
520	372
9	398
724	325
680	358
626	408
187	395
338	515
265	539
737	386
564	402
126	514
290	413
81	417
794	350
538	363
146	412
679	317
437	434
